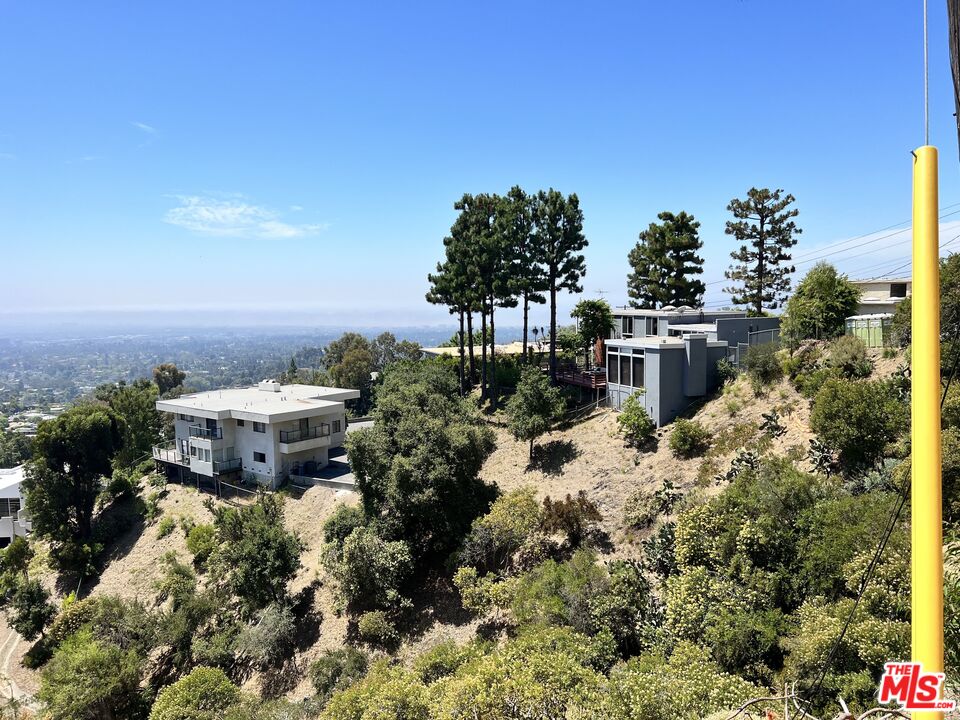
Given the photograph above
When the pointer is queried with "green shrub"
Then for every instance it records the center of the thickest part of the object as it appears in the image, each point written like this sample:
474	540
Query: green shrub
342	521
576	517
689	438
29	611
445	658
201	540
269	638
763	366
496	536
634	422
151	506
658	556
370	570
848	356
337	669
644	506
204	694
726	371
165	527
857	419
809	383
89	679
375	628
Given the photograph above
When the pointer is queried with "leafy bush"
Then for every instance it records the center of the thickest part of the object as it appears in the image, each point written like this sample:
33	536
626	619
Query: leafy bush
88	679
385	692
809	383
370	570
496	536
658	556
270	637
644	506
819	306
726	371
848	356
375	628
204	694
342	521
337	669
576	517
686	685
445	658
30	610
151	506
689	438
254	552
201	540
165	527
634	422
763	366
858	420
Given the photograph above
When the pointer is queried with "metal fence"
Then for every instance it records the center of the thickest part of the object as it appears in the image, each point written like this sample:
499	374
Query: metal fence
737	353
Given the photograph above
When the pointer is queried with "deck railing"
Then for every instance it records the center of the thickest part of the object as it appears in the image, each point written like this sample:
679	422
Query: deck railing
206	433
170	455
292	436
225	466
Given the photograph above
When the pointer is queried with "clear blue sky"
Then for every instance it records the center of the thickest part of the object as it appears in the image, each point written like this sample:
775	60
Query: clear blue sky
209	155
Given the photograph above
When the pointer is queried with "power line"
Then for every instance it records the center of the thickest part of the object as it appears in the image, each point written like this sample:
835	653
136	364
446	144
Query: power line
901	502
813	255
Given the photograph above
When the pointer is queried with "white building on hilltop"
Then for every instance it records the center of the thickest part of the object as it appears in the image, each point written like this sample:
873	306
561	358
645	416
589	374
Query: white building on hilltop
13	519
268	432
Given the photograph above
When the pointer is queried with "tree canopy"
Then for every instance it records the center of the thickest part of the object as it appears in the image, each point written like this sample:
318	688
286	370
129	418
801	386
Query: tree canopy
72	455
534	407
763	223
665	264
820	305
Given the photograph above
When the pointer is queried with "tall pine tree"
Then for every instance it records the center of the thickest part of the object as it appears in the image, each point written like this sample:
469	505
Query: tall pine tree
665	263
559	238
527	274
765	227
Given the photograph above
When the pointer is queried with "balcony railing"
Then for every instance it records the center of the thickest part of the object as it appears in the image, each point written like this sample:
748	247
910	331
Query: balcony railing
206	433
292	436
170	455
225	466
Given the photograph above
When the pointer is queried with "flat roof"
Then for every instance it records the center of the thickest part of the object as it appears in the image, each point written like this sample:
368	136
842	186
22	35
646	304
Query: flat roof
884	280
650	312
657	341
10	479
253	403
694	327
511	348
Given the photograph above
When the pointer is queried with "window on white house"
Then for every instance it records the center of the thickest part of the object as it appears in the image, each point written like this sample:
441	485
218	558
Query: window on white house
185	418
259	427
336	426
259	457
206	455
193	451
613	368
240	423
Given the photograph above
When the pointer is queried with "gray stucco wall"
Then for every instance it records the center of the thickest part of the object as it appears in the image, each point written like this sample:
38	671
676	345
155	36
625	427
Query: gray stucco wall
737	330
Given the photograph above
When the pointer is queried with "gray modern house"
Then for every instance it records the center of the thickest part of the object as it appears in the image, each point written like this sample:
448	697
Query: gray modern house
732	326
671	372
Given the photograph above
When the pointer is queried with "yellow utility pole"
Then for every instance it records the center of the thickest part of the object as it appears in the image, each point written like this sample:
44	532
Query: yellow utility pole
926	507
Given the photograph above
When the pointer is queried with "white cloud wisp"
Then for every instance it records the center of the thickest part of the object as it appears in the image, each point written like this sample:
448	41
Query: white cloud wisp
234	217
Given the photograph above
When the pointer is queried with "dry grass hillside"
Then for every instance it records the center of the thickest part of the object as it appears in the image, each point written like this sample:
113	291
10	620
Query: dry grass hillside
590	456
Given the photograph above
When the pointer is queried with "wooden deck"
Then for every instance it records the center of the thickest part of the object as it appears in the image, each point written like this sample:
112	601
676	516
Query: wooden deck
594	379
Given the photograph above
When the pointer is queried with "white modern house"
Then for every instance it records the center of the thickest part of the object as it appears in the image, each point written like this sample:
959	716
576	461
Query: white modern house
13	518
267	433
